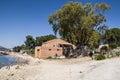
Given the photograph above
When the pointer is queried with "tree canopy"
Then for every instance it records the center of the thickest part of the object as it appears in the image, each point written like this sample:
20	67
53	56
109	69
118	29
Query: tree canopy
30	42
41	39
112	36
94	39
76	22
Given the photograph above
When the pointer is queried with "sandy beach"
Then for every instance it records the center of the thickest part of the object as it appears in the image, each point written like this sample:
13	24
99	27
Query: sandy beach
64	69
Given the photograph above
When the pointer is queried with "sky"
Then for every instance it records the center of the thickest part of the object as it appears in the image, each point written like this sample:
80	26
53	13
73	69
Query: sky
19	18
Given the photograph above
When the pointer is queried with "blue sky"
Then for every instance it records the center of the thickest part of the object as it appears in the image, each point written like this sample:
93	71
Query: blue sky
19	18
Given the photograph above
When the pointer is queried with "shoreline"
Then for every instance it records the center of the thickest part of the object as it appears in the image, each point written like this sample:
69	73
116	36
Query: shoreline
65	69
16	58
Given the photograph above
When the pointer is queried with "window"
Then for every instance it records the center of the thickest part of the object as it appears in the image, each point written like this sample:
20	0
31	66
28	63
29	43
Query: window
58	49
49	49
38	49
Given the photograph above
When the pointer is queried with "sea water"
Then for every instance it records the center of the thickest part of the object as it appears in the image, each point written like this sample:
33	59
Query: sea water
6	60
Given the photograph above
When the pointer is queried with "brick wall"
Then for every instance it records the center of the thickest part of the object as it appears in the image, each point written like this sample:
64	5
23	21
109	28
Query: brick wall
45	51
50	48
50	51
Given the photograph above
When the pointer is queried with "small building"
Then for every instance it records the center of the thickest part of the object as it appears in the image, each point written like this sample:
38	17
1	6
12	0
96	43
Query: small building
55	47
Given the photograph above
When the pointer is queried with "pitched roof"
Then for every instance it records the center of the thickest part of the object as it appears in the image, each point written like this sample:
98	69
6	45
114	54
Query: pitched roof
60	41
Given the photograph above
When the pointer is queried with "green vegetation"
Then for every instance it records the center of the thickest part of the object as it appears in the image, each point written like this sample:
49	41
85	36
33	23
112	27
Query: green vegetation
112	37
49	57
17	48
41	39
30	43
99	57
102	56
94	40
113	45
79	24
82	25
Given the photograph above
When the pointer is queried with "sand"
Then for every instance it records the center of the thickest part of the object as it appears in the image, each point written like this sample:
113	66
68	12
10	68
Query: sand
64	69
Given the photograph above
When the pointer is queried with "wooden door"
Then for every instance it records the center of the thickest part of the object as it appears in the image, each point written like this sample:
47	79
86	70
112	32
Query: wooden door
38	53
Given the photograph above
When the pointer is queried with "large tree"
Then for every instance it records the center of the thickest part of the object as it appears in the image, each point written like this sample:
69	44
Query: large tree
76	23
94	40
30	42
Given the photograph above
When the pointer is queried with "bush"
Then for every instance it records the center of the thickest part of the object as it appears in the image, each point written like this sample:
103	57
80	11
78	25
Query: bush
49	57
117	53
118	43
99	57
113	45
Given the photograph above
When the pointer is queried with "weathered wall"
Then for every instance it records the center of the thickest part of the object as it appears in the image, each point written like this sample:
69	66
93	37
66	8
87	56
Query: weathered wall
50	48
45	51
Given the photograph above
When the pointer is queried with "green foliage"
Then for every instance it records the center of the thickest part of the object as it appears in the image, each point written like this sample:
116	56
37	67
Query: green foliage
31	51
102	7
17	48
112	36
118	43
117	53
94	40
30	42
49	57
99	57
75	22
113	45
41	39
113	54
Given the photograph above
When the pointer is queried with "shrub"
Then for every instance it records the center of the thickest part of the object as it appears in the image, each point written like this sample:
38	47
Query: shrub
49	57
113	45
117	53
118	43
99	57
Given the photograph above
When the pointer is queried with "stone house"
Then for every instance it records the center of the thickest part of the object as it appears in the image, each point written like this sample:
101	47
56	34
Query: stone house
55	47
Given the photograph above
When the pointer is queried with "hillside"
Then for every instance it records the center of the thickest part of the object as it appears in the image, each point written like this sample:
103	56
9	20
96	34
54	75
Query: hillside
3	48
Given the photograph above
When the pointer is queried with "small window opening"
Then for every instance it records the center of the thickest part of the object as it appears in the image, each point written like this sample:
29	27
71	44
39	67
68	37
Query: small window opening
38	49
58	49
49	49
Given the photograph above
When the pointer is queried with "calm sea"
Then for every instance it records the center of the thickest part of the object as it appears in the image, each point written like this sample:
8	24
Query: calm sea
6	60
